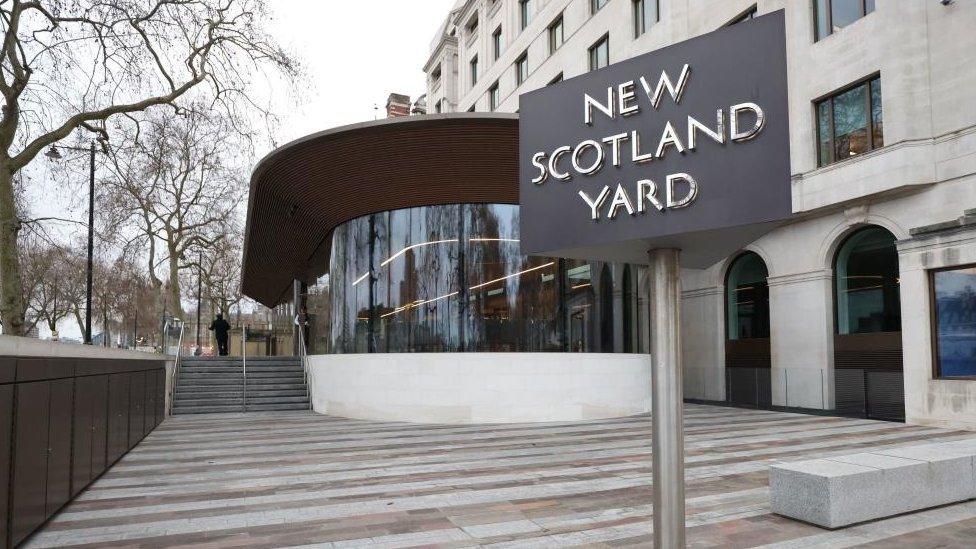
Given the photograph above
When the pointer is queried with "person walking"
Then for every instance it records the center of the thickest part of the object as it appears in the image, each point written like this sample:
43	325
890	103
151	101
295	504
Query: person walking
220	328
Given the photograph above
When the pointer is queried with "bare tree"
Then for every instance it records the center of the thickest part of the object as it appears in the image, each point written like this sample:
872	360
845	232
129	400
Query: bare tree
177	185
60	288
73	64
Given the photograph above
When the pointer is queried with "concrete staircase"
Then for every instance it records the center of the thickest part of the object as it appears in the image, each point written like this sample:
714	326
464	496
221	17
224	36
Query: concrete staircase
216	384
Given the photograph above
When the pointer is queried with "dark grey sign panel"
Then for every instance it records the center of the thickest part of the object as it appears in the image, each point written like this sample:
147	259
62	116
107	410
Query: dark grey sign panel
686	146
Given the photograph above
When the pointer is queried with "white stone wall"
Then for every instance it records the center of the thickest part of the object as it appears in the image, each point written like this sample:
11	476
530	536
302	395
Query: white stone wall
925	54
461	388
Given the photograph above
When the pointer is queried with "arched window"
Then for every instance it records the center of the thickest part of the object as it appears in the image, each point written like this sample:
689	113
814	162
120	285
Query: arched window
747	298
867	283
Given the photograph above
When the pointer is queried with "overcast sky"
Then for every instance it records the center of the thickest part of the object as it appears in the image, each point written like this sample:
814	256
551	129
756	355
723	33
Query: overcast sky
356	54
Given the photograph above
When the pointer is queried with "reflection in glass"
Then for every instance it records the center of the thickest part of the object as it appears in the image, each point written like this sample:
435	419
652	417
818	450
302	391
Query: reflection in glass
850	124
845	12
867	280
511	297
747	298
580	310
453	278
955	313
877	123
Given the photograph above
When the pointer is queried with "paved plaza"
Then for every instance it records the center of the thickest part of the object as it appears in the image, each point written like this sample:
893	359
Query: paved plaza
296	478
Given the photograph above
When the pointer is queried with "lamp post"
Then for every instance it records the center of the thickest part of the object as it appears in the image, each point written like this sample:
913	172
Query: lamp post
54	154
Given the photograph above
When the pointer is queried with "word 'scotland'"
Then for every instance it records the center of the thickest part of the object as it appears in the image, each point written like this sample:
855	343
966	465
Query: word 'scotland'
736	123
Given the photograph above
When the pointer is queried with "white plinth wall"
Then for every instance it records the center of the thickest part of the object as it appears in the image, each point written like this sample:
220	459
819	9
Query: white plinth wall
459	388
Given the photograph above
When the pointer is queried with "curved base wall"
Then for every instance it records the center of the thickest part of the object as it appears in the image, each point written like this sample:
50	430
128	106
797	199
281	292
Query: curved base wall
461	388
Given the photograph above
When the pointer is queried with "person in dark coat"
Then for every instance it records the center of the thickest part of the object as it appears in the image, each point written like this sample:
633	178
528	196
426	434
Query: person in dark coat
220	328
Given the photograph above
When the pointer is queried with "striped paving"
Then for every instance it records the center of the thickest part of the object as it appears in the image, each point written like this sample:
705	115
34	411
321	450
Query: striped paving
286	479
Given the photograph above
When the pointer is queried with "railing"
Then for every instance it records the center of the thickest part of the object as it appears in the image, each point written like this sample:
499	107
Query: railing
177	362
244	363
303	355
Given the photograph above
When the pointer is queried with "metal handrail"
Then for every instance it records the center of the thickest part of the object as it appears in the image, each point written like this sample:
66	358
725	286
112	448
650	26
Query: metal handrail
303	356
244	362
176	364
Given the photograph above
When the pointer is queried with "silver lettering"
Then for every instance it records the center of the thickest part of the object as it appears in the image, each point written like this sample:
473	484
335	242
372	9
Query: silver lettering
595	204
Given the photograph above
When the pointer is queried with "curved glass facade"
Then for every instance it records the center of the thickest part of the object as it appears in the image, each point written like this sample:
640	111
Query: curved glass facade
453	278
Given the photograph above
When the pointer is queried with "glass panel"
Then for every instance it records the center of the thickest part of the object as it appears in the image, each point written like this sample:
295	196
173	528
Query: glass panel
599	54
595	5
512	298
639	26
630	312
850	123
845	12
823	132
556	35
651	13
868	6
350	303
525	13
877	120
955	309
497	43
823	27
474	71
606	309
747	298
581	322
867	280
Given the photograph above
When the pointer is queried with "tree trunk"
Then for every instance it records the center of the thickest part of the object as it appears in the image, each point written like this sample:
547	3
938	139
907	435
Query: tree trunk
11	287
174	283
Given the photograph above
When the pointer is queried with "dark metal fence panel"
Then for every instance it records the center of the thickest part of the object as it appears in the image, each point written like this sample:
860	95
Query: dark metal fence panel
61	427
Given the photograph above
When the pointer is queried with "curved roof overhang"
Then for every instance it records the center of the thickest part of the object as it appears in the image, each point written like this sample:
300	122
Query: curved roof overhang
302	191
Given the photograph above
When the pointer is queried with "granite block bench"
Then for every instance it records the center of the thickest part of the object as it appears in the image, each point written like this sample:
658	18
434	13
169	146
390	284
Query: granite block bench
839	491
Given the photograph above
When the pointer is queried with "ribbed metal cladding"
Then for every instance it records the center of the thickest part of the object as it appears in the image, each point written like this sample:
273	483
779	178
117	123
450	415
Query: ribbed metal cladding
302	191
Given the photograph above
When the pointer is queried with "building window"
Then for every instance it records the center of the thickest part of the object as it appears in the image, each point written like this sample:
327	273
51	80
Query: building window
596	5
472	107
832	15
600	53
474	70
472	26
437	106
954	300
496	43
850	122
556	36
556	80
744	16
867	283
522	68
525	13
747	298
493	97
646	13
435	76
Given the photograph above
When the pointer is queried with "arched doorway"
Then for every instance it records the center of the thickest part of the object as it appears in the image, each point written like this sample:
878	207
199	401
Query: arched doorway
868	371
747	353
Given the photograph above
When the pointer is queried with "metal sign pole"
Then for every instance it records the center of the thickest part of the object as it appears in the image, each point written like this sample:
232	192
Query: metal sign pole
668	436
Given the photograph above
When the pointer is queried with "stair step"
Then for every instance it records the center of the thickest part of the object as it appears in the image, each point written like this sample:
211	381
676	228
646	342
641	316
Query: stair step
206	409
260	399
277	407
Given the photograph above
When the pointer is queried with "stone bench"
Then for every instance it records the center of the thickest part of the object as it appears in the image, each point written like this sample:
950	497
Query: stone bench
840	491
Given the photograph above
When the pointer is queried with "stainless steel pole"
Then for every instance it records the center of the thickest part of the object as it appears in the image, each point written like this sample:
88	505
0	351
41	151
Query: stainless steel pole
668	436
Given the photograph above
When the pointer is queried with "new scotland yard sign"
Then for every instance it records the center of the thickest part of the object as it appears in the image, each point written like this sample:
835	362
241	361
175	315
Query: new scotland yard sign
684	147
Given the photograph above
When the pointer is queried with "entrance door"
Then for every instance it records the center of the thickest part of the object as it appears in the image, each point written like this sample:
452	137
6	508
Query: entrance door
747	354
868	372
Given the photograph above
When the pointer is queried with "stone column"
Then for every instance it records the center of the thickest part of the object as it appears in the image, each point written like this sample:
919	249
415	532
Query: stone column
667	405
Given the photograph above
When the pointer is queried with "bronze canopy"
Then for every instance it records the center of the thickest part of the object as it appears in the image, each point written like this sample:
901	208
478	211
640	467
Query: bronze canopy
302	191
